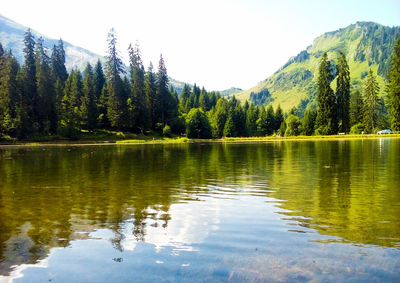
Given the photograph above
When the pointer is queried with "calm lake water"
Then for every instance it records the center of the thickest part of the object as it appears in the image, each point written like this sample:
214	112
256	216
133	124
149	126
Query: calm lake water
326	211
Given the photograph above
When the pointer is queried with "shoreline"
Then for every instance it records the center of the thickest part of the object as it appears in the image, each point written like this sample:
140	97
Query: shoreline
181	140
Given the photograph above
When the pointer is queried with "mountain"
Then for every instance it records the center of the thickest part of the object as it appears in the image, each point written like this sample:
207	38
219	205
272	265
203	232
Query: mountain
366	45
12	37
230	91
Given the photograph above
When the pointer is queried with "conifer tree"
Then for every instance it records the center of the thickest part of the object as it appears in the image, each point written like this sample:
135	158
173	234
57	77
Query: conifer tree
9	96
197	124
46	108
394	88
262	122
371	102
279	118
343	94
308	123
138	104
98	79
69	122
230	127
270	121
184	98
327	119
219	118
88	106
57	59
27	81
150	90
204	101
251	120
116	106
162	92
356	108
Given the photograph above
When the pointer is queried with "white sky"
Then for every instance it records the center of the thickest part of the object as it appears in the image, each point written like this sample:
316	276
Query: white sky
215	43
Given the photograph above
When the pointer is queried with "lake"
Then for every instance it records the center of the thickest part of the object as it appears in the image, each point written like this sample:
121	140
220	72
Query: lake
320	211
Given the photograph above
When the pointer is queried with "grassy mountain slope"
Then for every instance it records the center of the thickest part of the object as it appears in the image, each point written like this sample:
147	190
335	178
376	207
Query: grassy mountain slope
366	45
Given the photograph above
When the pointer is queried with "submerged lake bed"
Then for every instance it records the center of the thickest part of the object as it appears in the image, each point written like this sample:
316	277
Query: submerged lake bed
294	211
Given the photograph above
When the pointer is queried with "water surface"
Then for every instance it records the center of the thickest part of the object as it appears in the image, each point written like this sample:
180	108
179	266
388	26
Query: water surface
323	211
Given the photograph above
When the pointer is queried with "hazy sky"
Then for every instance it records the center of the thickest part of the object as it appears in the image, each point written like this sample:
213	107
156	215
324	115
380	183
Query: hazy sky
214	43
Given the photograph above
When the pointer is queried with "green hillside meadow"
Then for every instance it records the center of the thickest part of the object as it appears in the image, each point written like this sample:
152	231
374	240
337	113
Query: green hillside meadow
366	45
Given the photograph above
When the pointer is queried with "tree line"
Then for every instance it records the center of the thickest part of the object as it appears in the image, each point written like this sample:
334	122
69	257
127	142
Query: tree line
40	98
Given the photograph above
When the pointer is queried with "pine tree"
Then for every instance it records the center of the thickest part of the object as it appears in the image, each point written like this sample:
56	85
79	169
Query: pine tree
230	127
150	90
69	122
356	108
138	104
371	102
184	98
88	106
116	106
46	108
204	101
58	69
162	92
279	118
327	119
9	96
394	88
219	118
27	81
251	120
262	122
308	123
98	79
343	94
270	121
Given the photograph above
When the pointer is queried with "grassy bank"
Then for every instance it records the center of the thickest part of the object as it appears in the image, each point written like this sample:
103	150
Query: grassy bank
108	137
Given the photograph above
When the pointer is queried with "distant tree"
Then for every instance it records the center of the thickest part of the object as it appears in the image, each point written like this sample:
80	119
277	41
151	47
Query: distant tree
162	92
262	122
57	60
394	88
251	120
197	124
230	128
371	102
9	94
88	107
270	121
204	100
308	123
343	94
219	118
116	105
138	103
356	108
185	93
46	108
279	118
326	123
27	81
292	125
69	122
150	90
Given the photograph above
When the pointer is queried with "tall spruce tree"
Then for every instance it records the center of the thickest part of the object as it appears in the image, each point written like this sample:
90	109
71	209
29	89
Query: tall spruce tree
219	118
371	102
262	122
27	82
162	92
343	94
251	120
185	93
356	108
46	107
88	106
308	123
326	120
116	105
57	59
9	95
279	118
270	121
150	90
394	88
138	104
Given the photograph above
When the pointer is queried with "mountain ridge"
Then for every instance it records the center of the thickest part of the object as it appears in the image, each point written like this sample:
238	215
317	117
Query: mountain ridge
365	44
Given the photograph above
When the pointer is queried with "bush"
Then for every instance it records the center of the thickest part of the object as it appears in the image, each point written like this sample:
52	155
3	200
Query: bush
357	128
166	130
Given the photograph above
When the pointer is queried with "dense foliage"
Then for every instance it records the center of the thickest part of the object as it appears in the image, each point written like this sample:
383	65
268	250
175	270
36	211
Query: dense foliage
42	99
